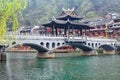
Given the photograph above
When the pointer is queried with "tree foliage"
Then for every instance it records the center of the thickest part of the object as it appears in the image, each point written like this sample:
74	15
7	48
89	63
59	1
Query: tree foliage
41	11
10	12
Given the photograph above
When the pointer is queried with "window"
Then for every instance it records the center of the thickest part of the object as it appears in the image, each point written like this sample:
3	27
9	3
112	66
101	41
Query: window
53	45
58	44
92	44
47	45
99	44
42	43
95	44
88	44
111	44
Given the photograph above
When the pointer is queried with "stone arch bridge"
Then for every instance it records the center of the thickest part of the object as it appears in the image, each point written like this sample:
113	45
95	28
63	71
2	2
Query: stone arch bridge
44	45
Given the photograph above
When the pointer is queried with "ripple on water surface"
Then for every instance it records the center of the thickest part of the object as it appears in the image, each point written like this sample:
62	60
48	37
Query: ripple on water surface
70	68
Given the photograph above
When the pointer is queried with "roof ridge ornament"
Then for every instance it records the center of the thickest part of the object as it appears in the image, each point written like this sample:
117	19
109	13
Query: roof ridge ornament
64	9
73	9
68	20
68	9
53	18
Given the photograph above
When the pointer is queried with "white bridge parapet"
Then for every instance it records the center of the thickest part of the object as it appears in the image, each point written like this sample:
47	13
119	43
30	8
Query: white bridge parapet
118	43
49	42
52	42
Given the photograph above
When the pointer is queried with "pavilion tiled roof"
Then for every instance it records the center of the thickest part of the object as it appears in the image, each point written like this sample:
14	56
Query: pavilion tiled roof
68	23
70	17
69	14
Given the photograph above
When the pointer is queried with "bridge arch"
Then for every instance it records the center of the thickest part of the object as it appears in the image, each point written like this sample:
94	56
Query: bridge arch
81	46
37	47
107	47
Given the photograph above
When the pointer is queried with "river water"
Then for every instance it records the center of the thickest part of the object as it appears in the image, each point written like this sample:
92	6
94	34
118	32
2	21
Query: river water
27	67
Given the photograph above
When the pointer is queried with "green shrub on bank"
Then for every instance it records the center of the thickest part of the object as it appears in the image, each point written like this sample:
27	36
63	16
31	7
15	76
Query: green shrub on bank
100	51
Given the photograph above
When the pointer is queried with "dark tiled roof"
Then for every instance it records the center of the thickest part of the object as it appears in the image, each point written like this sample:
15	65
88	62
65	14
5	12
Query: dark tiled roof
63	24
98	22
70	17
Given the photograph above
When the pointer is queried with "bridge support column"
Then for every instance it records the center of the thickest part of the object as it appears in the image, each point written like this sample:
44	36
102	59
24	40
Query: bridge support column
46	55
108	51
88	53
2	56
117	51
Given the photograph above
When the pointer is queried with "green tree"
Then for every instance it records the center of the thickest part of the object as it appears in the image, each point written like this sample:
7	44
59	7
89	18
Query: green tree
41	11
91	14
10	12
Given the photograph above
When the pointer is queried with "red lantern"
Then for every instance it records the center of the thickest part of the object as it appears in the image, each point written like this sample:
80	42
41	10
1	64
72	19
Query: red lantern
76	31
48	30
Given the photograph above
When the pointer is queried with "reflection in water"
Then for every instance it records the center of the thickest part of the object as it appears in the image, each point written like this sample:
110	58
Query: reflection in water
71	68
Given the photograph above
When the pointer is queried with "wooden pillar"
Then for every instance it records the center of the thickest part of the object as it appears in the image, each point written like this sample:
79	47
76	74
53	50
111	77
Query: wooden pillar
68	30
85	32
81	32
113	34
106	25
89	32
56	31
72	30
53	30
45	30
65	31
